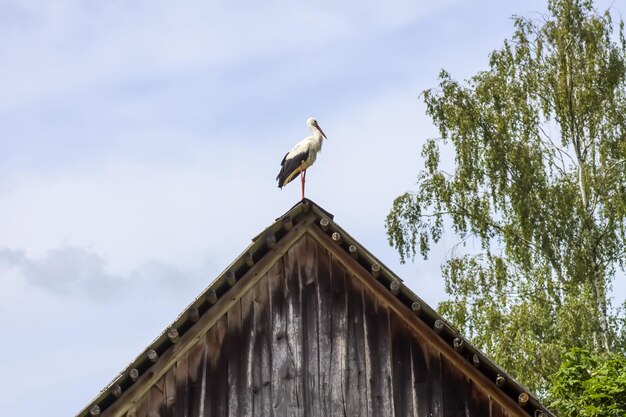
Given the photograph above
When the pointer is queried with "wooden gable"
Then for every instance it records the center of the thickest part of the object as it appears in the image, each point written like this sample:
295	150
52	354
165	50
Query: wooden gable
307	329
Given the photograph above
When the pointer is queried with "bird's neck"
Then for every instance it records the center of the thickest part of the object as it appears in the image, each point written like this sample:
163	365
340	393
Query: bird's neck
317	134
317	140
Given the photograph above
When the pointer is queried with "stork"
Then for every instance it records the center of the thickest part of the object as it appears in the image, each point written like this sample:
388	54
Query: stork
301	156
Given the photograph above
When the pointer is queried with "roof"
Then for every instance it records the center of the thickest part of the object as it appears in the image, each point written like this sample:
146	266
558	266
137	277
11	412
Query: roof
273	242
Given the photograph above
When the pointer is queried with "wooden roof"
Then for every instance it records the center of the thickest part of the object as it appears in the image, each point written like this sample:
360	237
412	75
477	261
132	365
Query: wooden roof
305	217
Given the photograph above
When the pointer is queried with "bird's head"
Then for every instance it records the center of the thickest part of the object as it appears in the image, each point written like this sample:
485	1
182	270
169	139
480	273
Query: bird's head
312	123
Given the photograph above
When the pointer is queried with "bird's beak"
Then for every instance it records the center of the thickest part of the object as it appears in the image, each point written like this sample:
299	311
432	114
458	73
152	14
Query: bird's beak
321	131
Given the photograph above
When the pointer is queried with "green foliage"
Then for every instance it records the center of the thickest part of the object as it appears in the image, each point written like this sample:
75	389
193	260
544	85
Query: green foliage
539	181
588	385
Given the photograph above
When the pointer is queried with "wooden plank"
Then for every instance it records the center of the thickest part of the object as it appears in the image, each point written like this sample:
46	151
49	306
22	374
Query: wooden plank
373	366
295	262
310	330
383	322
170	392
248	335
141	409
281	379
204	376
434	378
196	380
234	353
324	313
366	319
339	327
454	390
156	397
212	350
461	395
402	379
423	398
413	395
497	410
262	366
356	385
216	399
256	371
477	401
181	407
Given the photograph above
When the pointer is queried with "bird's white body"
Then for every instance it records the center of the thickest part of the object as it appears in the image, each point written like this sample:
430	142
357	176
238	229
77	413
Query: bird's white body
301	156
309	146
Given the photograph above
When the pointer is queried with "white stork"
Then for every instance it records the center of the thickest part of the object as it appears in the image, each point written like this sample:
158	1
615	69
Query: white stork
301	156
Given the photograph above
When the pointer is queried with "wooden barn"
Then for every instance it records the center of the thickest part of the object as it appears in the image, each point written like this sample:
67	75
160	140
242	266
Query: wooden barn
307	322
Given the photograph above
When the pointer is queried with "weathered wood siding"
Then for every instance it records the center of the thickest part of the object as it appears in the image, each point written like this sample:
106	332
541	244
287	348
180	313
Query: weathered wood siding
308	340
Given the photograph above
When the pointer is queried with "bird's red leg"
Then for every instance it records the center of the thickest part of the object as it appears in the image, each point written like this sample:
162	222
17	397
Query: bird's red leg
302	179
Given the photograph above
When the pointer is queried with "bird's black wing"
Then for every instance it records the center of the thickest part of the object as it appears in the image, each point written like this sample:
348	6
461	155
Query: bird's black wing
289	166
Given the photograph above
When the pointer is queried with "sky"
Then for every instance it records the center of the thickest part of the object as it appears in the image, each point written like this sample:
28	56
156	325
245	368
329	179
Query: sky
139	142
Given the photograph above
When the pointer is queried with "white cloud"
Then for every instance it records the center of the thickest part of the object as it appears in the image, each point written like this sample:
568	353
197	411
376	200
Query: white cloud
73	272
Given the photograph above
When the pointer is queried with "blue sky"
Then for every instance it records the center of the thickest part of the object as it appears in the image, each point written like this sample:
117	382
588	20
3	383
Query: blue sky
139	141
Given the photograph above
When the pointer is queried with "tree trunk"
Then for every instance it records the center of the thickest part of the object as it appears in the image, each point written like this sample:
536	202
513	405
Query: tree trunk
600	296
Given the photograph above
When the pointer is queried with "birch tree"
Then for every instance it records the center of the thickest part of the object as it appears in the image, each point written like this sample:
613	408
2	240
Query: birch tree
538	184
